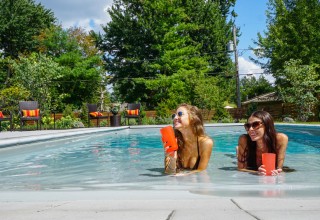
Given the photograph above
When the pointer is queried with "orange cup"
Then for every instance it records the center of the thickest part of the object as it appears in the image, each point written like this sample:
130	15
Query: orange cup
269	162
169	139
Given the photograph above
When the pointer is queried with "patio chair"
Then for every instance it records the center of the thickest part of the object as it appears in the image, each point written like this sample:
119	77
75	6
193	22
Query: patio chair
29	111
93	113
133	111
6	116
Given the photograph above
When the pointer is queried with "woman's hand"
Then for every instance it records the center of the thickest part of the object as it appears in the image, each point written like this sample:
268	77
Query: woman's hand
262	171
276	172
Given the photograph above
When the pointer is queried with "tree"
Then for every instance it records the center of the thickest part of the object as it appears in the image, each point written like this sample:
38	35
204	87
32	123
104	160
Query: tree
83	77
160	41
293	33
251	87
41	72
303	82
20	21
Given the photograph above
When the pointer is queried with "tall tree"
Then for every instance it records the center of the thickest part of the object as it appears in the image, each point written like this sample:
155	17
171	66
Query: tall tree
41	72
83	77
293	33
20	21
158	39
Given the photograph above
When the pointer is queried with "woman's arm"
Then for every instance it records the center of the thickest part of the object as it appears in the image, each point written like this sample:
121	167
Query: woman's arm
241	149
242	144
282	142
170	163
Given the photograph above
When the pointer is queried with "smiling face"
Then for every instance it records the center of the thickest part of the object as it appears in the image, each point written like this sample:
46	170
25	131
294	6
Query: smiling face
181	119
255	132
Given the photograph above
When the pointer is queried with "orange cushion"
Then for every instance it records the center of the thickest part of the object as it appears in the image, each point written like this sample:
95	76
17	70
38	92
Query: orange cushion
96	114
30	113
1	114
133	112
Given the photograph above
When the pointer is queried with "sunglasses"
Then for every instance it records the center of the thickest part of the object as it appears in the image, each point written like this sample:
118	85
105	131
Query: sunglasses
178	113
254	125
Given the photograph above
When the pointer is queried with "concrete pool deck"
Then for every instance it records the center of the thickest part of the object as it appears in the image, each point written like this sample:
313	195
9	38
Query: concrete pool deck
139	204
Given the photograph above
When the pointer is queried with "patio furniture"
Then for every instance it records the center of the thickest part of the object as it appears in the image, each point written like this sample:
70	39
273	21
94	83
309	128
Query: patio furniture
6	116
94	114
29	111
133	111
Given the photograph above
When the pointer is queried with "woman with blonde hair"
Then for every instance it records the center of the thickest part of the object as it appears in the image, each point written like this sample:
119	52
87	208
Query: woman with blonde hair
194	146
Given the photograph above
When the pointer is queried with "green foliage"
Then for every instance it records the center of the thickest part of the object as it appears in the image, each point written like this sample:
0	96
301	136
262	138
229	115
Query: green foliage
252	87
67	122
83	77
293	33
10	97
35	73
304	84
20	21
104	123
168	45
47	122
222	115
68	111
5	126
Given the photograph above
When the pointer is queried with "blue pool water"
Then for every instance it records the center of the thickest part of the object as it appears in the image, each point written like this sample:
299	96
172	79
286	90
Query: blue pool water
133	159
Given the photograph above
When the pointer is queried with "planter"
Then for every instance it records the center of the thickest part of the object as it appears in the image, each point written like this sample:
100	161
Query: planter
115	120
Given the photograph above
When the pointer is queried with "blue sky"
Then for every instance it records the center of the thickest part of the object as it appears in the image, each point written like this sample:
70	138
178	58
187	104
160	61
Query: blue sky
90	14
251	20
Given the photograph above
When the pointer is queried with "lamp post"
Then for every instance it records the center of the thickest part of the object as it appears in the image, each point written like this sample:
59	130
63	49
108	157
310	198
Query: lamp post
234	30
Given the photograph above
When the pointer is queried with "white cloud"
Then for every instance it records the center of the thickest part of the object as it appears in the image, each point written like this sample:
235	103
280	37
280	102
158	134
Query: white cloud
248	68
88	14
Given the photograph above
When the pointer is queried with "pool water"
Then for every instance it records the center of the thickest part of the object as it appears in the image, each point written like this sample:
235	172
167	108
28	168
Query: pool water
132	159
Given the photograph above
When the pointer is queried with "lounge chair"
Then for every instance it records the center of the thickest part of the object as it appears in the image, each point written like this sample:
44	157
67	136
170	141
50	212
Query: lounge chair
93	113
133	111
29	111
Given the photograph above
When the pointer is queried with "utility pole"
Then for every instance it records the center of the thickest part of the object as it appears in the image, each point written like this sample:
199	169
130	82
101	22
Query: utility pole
235	50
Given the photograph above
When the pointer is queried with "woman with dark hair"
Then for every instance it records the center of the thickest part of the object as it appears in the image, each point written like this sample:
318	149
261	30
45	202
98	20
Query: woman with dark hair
261	138
194	146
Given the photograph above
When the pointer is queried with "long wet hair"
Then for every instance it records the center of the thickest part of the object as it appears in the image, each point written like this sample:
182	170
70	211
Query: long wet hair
269	137
196	123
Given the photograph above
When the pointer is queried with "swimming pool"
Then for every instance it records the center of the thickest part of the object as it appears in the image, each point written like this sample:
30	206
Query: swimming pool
132	159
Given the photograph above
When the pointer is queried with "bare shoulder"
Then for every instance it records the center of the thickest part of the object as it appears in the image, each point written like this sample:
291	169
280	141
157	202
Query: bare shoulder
282	138
243	138
206	142
242	142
